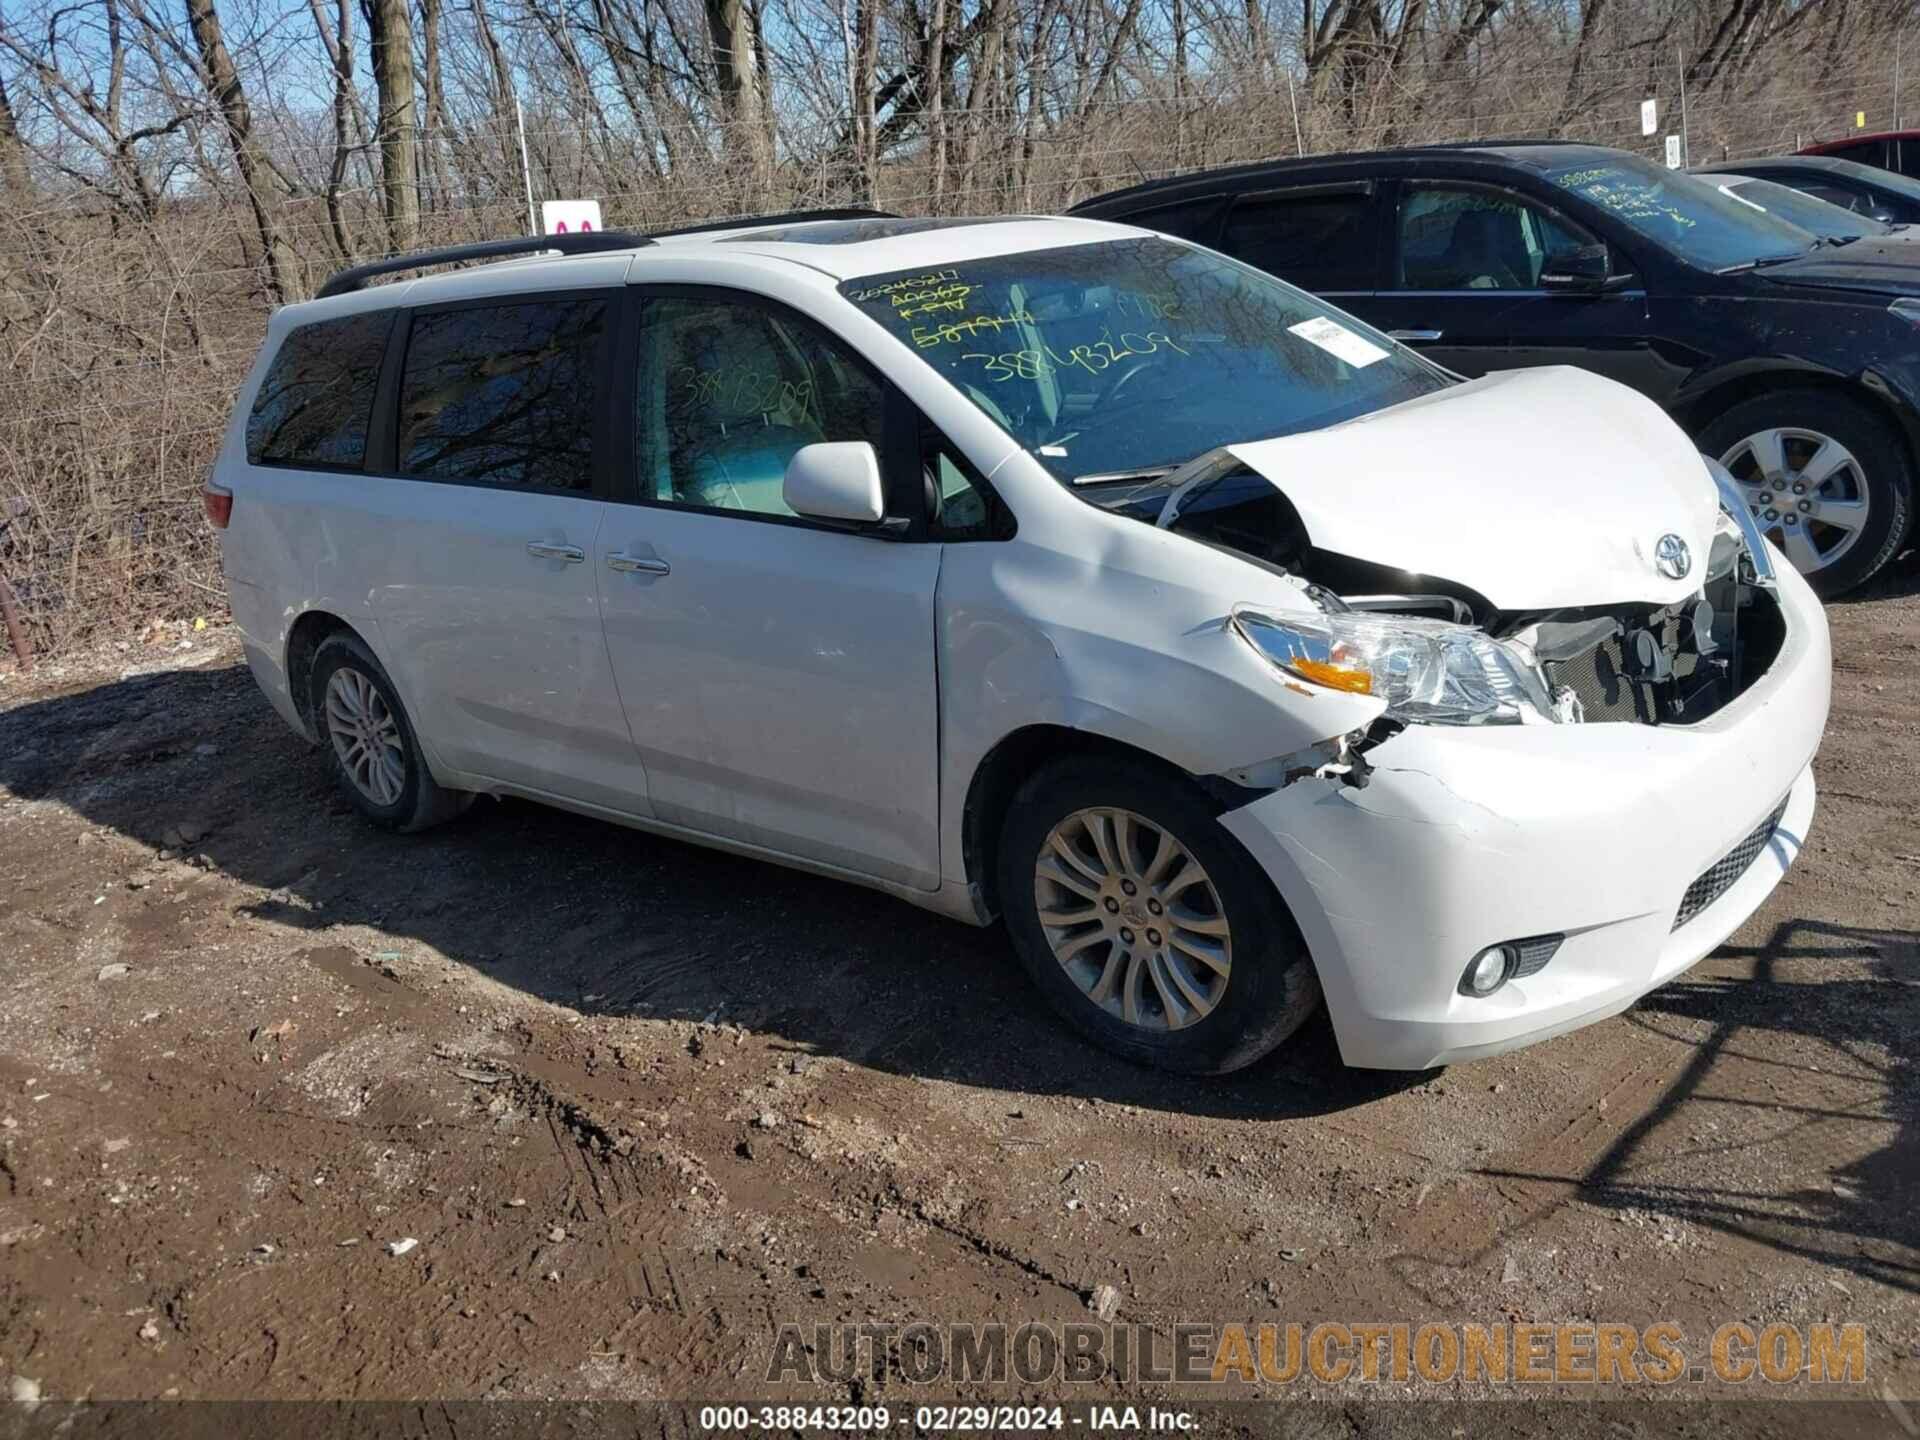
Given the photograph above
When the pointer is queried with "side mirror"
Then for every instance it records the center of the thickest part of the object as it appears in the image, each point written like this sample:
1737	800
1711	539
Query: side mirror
835	480
1582	270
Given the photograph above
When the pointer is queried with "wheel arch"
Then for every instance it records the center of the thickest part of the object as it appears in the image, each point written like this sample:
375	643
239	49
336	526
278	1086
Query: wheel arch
1019	755
1709	399
304	639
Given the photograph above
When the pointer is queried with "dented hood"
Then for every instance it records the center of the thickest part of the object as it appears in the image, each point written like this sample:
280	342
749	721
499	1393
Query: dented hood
1536	488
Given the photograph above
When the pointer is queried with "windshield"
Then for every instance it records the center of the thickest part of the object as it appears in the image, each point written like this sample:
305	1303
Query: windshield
1684	214
1130	356
1816	216
1871	175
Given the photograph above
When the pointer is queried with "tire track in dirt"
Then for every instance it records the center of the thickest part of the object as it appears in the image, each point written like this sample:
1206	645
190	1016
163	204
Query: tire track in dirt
1475	1213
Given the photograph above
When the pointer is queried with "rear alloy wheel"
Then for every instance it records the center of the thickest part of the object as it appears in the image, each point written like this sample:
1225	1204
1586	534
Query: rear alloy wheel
1144	923
366	737
1824	478
370	742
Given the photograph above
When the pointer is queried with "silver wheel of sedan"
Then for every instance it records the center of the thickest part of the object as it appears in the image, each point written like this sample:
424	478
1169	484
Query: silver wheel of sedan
366	736
1806	490
1133	919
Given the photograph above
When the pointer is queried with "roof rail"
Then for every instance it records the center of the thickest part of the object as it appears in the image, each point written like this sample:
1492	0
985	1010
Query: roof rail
790	217
584	242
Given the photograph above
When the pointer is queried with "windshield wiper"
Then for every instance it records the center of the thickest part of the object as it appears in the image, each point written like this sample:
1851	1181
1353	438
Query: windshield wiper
1765	260
1118	477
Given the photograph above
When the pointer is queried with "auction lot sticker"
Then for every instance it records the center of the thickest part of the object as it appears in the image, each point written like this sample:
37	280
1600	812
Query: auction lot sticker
1338	341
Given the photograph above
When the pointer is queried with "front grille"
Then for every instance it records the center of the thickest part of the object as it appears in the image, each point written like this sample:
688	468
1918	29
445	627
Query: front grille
1718	877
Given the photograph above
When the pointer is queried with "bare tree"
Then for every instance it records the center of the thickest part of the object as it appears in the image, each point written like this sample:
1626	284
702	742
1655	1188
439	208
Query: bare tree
337	39
732	32
392	49
223	83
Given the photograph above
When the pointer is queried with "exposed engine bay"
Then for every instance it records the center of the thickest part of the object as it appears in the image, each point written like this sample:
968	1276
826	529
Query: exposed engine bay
1651	665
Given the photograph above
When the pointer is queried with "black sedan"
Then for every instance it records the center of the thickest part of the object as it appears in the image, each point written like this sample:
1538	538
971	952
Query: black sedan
1815	216
1863	189
1793	359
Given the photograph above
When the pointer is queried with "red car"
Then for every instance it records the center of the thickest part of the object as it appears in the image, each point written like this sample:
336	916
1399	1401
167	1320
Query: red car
1896	150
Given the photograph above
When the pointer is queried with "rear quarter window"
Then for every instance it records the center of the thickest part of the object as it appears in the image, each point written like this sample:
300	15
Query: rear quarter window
1195	220
1319	242
315	404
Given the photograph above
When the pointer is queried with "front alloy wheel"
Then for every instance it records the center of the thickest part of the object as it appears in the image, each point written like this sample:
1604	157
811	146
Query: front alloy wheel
1143	921
1133	919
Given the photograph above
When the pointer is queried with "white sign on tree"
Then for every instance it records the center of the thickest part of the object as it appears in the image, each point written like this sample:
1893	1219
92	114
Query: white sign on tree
1673	152
569	217
1649	117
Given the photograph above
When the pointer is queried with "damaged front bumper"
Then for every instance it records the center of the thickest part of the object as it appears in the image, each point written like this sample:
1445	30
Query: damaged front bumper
1470	837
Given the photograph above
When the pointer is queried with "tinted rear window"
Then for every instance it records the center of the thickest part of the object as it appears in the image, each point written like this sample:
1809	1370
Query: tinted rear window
1318	242
1194	220
502	393
314	405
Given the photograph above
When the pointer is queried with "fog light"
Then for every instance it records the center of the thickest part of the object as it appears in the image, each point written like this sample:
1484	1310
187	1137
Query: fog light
1488	971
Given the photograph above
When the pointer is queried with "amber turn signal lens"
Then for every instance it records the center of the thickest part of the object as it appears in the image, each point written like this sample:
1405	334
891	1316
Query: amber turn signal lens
1334	677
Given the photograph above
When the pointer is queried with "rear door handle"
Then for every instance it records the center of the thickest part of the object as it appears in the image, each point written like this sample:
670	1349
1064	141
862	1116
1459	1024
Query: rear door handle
554	550
637	564
1408	337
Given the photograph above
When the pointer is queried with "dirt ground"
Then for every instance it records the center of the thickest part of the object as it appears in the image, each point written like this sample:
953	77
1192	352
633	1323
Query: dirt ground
639	1104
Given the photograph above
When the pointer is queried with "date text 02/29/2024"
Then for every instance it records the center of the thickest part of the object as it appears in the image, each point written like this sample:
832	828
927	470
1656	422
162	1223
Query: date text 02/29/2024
948	1419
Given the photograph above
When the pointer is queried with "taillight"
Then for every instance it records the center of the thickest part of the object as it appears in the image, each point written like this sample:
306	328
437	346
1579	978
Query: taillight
218	504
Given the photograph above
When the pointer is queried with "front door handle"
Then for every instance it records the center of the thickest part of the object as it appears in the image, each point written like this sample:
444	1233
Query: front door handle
1408	337
554	550
637	564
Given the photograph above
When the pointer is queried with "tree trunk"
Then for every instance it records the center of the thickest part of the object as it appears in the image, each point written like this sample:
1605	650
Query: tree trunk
14	176
439	128
393	78
223	83
341	52
936	104
736	67
981	84
867	44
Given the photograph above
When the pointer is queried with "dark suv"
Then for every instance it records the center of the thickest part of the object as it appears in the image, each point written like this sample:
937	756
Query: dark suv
1795	361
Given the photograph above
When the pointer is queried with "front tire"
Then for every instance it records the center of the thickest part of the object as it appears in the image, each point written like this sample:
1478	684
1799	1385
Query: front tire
369	741
1827	480
1145	924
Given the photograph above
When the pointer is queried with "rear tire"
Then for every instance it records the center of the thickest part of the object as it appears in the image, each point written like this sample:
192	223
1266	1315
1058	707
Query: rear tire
369	741
1867	497
1158	937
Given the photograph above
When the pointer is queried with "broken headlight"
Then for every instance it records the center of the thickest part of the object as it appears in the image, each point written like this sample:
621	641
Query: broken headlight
1428	671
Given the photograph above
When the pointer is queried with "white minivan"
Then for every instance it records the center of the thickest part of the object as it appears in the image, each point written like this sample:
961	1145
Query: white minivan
1047	570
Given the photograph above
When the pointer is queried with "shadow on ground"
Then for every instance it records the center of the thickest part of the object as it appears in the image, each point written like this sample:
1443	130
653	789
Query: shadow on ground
1862	1219
600	918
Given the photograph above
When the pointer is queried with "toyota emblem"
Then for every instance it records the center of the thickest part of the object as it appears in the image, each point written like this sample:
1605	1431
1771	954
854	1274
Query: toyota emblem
1671	557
